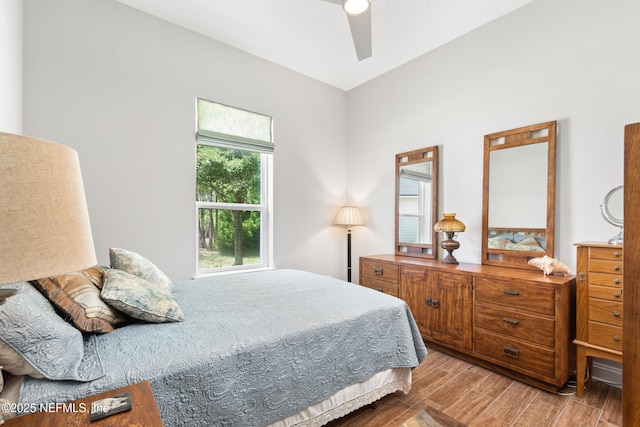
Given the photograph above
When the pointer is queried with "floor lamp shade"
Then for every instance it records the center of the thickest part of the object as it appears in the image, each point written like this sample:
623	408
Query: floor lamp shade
44	221
349	215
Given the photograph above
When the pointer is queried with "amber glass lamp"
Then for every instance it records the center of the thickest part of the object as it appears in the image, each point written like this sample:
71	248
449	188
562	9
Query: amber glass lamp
450	227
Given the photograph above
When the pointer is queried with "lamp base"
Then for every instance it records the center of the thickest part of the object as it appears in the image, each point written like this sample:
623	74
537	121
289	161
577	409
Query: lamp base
450	259
449	245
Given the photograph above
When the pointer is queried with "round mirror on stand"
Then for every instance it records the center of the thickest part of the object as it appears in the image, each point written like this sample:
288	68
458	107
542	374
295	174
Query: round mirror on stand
612	209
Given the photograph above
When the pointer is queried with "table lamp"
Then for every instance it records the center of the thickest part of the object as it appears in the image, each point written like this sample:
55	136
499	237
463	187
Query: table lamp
44	220
450	226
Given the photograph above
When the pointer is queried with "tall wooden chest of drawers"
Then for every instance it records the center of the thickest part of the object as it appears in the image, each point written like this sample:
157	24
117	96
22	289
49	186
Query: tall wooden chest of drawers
598	306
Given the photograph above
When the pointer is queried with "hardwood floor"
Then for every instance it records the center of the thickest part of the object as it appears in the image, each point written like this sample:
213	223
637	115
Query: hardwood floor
477	397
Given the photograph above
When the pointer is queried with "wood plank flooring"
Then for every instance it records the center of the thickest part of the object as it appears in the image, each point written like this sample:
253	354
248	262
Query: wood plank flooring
478	397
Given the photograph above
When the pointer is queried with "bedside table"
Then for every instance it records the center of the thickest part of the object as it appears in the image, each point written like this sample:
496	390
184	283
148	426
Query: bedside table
144	412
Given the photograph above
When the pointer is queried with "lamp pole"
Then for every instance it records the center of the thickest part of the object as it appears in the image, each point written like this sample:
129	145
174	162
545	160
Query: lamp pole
348	254
350	217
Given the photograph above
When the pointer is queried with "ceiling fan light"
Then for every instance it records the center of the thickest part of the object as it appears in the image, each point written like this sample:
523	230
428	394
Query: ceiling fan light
355	7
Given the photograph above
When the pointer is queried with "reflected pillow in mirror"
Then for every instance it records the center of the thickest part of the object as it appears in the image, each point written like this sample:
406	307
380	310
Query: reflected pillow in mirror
498	242
527	244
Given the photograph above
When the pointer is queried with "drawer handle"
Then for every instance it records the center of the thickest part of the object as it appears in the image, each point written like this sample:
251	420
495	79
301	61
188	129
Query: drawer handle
616	314
378	289
616	338
617	294
427	301
617	268
510	351
435	303
510	320
378	271
617	281
511	292
617	254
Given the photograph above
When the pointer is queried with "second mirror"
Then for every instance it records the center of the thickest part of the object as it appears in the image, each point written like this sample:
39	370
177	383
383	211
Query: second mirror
416	202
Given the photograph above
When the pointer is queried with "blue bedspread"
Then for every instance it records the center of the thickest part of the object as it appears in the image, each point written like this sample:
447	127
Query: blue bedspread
254	348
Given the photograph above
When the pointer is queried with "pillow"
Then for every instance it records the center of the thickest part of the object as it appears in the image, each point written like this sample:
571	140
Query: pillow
10	396
77	295
498	242
12	362
140	298
138	265
527	244
53	348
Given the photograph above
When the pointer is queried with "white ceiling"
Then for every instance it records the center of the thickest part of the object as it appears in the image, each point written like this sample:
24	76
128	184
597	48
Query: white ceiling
312	37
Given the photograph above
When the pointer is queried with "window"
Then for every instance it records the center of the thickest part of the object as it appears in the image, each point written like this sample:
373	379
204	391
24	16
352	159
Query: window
414	202
233	156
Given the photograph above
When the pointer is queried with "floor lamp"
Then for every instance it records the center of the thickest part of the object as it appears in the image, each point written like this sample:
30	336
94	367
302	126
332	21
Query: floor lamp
44	221
349	216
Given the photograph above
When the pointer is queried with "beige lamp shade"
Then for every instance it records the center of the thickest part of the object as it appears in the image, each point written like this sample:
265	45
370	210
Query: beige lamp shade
349	215
449	224
44	221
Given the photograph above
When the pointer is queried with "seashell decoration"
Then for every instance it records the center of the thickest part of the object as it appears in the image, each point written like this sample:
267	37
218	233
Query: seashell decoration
550	265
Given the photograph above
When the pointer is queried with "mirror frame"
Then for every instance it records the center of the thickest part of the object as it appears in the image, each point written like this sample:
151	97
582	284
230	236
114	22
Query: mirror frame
422	250
510	139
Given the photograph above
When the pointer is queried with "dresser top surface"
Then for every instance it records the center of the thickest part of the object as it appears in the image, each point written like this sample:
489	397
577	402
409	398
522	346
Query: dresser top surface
475	269
597	244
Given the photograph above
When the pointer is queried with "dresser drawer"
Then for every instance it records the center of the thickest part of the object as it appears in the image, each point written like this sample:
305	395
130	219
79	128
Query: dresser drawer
605	292
531	298
380	271
602	266
604	311
540	330
605	279
605	335
525	356
612	254
384	287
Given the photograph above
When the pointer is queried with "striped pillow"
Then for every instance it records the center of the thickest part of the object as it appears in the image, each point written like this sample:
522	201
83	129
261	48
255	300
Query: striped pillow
77	295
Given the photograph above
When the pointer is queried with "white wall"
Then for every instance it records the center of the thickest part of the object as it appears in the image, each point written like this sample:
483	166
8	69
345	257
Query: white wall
119	86
11	69
573	61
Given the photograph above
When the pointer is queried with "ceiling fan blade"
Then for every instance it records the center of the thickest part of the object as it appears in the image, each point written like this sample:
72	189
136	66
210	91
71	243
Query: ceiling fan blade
361	32
335	1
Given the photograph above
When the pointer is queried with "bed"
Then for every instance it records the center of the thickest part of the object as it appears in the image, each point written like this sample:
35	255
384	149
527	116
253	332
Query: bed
276	347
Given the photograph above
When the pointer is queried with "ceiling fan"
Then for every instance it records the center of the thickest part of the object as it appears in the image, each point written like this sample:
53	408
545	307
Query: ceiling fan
359	16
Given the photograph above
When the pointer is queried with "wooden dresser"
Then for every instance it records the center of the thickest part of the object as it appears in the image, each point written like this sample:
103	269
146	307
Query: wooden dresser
517	322
598	306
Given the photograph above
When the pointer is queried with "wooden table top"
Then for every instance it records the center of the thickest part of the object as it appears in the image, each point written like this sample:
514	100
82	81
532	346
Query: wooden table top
144	411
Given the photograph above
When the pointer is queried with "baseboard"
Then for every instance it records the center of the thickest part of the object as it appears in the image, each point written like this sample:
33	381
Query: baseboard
607	371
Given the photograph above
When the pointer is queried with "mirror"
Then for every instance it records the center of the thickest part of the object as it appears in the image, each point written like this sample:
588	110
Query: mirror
518	207
612	209
417	202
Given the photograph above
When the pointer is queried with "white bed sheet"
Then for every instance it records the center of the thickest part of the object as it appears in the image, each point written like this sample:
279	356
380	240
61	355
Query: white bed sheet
350	398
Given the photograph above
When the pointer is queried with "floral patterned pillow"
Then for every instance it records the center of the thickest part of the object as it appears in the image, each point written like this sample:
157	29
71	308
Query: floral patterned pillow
138	265
139	298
